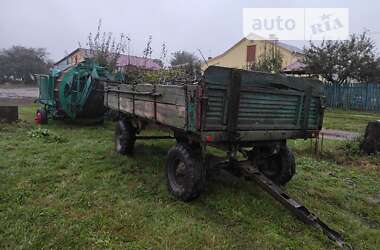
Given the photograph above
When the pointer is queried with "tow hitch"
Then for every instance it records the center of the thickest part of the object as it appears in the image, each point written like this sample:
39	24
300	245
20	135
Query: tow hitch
301	212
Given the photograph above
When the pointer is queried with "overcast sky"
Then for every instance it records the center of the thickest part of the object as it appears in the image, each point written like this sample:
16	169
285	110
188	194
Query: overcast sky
210	25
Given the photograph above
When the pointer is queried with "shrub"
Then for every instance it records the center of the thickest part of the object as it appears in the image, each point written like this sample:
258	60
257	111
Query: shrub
47	135
352	147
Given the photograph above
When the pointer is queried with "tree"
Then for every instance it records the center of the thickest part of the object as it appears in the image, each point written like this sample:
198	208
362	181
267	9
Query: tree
270	60
21	63
3	68
164	52
183	57
159	62
186	60
339	61
106	49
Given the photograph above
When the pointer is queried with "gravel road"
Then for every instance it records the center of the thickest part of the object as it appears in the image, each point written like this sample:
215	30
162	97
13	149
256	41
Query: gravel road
18	96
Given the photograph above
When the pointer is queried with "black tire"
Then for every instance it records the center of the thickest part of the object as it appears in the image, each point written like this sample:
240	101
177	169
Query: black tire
125	137
43	114
185	174
280	167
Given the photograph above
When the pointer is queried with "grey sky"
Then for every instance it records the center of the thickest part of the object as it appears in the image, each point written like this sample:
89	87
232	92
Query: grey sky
210	25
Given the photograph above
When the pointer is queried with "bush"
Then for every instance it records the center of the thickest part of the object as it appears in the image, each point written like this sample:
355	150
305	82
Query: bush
47	135
162	76
352	147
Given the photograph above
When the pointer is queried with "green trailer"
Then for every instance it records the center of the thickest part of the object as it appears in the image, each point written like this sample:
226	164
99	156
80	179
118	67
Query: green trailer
249	115
74	92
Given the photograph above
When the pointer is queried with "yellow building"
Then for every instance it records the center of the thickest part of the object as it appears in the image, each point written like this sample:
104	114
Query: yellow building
246	52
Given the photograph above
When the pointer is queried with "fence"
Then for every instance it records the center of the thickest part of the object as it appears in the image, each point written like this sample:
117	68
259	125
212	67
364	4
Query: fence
357	96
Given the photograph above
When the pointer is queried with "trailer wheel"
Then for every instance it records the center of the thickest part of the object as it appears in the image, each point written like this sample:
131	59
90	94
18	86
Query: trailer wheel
41	116
186	176
125	137
280	167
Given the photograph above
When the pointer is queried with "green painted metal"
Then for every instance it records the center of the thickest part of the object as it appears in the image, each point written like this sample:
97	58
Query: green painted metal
46	90
267	101
356	96
191	116
69	91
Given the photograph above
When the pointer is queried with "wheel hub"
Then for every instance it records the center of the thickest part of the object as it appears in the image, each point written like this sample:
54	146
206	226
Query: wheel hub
38	118
180	173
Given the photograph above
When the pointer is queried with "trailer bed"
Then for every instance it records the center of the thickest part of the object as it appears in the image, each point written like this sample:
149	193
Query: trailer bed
254	106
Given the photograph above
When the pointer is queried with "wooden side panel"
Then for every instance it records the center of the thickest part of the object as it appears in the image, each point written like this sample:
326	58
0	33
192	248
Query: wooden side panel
138	100
167	93
172	115
171	94
111	100
126	104
144	109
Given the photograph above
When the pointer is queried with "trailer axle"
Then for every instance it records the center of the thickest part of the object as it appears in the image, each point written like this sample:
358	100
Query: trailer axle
156	137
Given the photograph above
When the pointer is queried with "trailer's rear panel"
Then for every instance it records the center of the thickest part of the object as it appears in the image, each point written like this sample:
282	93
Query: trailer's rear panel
265	101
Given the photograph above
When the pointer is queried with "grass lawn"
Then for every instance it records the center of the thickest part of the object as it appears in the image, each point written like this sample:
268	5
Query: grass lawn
74	191
348	120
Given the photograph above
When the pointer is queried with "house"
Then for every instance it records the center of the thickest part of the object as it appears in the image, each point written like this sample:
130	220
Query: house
124	61
248	51
297	67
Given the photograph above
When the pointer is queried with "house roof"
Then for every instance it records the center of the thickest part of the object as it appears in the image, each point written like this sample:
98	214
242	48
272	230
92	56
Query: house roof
291	48
288	47
67	56
139	62
296	66
123	60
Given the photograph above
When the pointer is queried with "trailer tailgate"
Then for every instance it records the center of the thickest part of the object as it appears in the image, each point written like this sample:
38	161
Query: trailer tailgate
265	101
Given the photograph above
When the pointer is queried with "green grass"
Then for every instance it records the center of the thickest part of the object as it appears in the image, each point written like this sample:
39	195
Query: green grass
355	121
76	192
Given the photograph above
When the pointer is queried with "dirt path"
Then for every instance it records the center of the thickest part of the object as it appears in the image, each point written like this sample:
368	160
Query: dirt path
18	96
338	134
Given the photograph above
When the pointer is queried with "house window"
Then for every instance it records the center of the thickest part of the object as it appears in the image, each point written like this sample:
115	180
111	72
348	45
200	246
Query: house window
251	53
